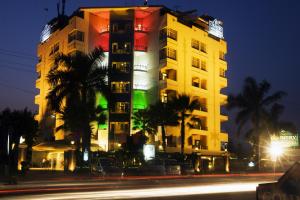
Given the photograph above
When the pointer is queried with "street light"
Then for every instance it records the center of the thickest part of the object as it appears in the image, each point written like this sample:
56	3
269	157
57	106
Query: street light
275	150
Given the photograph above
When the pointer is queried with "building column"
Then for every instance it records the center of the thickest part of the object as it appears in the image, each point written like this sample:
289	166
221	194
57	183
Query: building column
227	163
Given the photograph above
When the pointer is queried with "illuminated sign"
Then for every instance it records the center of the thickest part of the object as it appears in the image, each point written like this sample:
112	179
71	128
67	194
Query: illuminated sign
46	33
149	152
286	139
215	28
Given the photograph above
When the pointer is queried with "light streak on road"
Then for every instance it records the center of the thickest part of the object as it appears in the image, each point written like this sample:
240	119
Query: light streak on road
151	193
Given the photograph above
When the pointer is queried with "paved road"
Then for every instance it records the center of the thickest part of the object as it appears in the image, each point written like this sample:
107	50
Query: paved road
214	187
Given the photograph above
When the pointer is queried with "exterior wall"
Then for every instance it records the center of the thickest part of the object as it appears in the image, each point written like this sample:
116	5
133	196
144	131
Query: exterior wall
47	61
185	72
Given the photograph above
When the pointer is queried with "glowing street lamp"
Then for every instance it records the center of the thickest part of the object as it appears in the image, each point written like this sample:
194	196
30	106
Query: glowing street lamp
275	150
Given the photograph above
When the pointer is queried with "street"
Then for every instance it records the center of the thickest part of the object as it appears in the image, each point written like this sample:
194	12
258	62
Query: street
197	187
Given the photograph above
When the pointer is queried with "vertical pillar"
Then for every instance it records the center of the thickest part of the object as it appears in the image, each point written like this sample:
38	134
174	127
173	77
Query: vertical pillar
227	163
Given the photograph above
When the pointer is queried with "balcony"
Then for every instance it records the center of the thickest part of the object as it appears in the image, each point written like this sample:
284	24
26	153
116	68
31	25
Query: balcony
223	82
120	90
121	51
223	118
199	147
38	67
168	84
141	28
37	99
104	30
139	47
140	67
38	83
76	46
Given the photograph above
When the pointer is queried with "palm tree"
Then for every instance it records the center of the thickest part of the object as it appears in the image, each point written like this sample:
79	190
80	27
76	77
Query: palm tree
14	124
272	122
252	104
184	105
75	79
142	122
162	114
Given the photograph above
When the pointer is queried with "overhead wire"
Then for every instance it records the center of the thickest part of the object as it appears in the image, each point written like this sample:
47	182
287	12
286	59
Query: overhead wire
17	88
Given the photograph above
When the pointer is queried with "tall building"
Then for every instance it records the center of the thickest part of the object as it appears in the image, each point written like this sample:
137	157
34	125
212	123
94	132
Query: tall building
153	53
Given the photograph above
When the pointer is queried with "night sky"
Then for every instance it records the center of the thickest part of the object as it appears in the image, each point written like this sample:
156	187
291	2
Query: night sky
262	35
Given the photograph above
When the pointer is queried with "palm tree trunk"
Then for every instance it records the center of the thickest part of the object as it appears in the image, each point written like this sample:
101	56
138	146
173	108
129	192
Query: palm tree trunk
163	135
182	131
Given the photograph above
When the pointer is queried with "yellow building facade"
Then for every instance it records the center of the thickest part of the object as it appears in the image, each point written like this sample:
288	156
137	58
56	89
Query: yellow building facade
169	53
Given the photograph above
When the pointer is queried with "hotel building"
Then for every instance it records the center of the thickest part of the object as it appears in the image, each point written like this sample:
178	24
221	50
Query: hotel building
153	53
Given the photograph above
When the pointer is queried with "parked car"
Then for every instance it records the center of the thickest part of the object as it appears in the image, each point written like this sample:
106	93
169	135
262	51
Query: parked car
107	167
172	167
187	169
287	187
154	167
160	167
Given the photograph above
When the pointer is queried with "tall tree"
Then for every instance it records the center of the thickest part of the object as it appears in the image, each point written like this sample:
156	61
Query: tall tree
184	105
75	79
272	122
14	124
252	104
162	114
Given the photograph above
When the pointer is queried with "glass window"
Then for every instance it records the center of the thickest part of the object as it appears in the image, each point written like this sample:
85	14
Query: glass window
76	35
171	53
195	44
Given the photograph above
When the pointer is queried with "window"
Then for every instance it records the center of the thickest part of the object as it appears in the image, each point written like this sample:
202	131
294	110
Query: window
54	49
196	82
114	47
39	59
115	28
221	55
164	98
172	34
121	107
171	53
203	84
203	65
172	74
171	141
125	50
195	44
163	34
76	35
222	73
124	127
123	67
196	62
119	127
203	47
127	47
120	87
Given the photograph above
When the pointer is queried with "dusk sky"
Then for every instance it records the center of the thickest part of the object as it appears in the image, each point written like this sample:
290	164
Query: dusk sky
262	35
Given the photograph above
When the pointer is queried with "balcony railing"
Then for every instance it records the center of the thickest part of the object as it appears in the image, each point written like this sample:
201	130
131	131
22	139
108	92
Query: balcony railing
139	47
199	147
141	28
104	30
139	67
121	51
76	45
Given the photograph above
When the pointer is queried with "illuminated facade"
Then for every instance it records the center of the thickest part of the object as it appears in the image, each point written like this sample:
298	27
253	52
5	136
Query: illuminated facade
153	54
